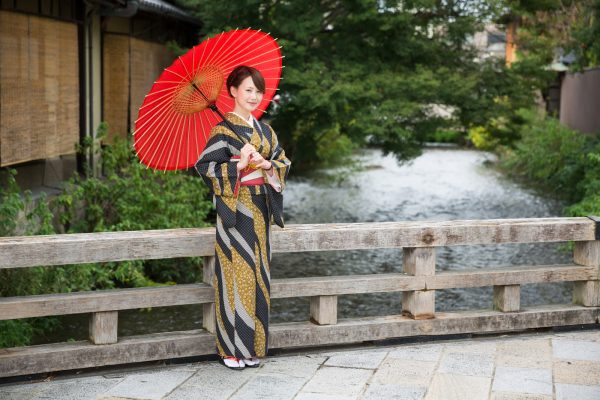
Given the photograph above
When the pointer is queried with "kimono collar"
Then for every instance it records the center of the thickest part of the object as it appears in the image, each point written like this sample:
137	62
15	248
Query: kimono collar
249	121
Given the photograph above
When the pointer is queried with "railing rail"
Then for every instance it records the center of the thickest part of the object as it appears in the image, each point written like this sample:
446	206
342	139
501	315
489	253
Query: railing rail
417	284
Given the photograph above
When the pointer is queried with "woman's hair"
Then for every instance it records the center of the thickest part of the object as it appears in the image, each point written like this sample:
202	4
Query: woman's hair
240	73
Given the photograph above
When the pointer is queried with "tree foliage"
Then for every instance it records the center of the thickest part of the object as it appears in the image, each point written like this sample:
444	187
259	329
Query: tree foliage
548	28
366	72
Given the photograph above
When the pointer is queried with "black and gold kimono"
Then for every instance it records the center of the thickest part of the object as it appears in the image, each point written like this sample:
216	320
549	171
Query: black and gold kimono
244	213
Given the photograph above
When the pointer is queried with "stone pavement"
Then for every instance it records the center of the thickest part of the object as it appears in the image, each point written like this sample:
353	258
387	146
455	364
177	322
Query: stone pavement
529	366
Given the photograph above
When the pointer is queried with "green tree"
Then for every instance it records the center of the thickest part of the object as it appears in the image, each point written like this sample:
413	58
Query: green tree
364	72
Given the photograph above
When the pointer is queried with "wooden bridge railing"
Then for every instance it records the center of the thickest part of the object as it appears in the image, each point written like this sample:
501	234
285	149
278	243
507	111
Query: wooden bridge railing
417	284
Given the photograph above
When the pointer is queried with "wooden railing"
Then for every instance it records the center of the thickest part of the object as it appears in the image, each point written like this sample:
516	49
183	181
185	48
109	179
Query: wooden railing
417	284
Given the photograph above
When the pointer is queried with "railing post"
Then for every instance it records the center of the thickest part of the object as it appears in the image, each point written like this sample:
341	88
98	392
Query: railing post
587	293
419	261
323	310
103	327
507	298
209	318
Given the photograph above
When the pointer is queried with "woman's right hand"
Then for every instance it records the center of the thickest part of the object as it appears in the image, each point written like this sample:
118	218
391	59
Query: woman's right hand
245	154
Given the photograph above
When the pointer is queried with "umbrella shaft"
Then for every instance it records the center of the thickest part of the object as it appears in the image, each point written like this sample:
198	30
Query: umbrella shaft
213	106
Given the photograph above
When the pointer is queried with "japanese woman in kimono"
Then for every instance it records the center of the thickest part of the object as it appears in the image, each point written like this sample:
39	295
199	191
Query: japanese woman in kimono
246	172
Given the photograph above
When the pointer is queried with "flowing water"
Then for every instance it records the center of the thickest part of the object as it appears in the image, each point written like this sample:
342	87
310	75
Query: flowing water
442	184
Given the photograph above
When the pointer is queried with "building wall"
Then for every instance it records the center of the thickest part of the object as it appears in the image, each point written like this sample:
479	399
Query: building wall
580	101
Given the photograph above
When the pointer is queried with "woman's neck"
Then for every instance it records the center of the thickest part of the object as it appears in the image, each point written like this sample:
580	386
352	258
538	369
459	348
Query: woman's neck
242	113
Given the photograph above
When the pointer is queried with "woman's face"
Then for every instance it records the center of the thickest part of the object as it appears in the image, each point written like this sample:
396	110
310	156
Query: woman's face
247	96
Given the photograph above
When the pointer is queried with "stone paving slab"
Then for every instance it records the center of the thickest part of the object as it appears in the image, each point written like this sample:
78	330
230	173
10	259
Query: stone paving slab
533	366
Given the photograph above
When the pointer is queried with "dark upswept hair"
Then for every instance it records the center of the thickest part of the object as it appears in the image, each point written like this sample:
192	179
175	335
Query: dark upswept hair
240	73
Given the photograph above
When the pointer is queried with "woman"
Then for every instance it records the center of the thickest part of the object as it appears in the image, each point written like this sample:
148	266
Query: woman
246	171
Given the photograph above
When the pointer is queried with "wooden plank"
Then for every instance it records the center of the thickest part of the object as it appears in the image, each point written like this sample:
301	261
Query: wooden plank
64	356
429	233
28	251
587	253
419	304
76	355
209	313
80	248
507	298
587	293
323	310
103	327
419	261
374	283
380	328
103	300
123	299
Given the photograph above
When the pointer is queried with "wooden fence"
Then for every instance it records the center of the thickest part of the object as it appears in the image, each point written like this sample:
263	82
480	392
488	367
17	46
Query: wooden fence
417	284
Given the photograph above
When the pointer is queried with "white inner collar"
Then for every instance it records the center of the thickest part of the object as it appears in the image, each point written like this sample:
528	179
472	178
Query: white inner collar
249	121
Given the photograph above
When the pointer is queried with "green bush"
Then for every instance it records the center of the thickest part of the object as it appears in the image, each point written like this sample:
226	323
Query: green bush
128	196
482	138
550	155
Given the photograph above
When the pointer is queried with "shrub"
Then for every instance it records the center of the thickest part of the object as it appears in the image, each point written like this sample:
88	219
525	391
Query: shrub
128	196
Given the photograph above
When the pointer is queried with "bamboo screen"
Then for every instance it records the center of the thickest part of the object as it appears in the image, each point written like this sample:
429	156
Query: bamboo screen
39	88
116	83
130	68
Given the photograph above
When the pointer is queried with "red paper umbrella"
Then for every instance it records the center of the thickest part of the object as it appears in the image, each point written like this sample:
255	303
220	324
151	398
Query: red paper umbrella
177	115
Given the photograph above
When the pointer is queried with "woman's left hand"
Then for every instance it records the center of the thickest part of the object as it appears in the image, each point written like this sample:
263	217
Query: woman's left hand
259	161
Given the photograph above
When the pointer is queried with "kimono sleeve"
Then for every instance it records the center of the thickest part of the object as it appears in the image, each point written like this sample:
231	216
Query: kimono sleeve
281	164
216	168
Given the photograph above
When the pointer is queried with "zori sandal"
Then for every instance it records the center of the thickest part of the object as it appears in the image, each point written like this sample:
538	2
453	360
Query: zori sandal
252	362
233	363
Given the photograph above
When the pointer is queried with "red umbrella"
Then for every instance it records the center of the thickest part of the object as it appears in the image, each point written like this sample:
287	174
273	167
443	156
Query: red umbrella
177	115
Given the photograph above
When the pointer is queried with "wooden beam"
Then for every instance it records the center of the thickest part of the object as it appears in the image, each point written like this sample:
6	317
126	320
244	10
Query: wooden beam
323	310
419	261
103	327
29	251
380	328
124	299
209	314
587	293
103	300
507	298
66	356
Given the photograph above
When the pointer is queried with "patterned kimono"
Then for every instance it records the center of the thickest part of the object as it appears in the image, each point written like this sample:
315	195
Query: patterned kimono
243	253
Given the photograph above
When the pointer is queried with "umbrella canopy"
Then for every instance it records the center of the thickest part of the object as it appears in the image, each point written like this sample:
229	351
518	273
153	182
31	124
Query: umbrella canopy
176	117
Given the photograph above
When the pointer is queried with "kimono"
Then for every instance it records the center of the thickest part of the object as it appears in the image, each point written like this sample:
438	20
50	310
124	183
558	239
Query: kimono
243	253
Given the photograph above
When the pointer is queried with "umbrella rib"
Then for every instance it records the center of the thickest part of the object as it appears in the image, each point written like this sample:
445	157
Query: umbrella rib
174	130
160	98
195	134
258	56
162	138
212	49
175	73
235	50
154	118
254	50
188	77
231	50
204	46
160	110
202	125
229	36
156	132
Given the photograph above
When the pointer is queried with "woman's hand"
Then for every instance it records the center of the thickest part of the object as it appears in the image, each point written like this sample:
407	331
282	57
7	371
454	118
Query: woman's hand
259	162
245	156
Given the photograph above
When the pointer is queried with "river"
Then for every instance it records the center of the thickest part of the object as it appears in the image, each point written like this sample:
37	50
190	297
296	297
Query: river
442	184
